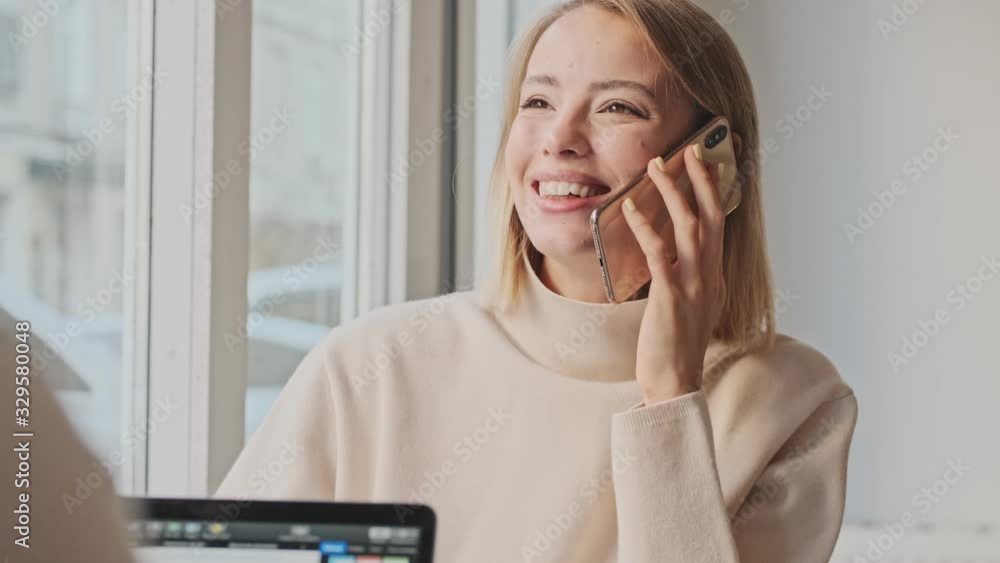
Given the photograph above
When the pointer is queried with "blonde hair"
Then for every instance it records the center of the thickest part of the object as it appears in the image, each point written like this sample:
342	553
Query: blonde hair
703	65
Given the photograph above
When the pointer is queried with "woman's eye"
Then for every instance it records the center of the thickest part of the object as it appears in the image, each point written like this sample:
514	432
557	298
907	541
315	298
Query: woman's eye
618	107
534	103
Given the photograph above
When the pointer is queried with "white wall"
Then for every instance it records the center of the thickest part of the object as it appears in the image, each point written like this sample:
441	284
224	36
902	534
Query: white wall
857	299
893	91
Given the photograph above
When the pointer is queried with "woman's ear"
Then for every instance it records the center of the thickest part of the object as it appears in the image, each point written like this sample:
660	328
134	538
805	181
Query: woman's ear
737	144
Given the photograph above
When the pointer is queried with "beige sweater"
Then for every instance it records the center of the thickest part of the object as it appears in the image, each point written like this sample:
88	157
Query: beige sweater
526	434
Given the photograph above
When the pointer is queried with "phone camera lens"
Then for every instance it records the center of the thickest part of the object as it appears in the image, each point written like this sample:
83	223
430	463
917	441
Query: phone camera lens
716	137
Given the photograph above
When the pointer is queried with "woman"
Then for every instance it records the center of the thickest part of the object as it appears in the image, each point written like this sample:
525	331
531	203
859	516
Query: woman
543	424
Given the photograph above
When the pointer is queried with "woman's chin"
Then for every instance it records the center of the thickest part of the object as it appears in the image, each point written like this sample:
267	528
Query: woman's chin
563	247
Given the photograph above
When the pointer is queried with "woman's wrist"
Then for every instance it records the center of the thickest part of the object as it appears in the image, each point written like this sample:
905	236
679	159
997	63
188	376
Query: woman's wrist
656	396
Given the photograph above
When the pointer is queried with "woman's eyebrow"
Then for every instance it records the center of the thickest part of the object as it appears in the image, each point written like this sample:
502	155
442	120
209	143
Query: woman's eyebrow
630	84
549	80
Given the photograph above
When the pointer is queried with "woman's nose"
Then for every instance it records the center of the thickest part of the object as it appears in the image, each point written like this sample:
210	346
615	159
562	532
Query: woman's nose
567	136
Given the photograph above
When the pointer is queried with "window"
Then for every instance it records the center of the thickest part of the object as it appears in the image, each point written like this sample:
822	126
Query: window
125	238
62	138
304	154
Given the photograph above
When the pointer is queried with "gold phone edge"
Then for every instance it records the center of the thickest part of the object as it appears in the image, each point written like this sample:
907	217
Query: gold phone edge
596	213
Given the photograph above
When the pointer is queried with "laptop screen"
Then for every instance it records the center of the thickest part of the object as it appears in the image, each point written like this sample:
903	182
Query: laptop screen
158	537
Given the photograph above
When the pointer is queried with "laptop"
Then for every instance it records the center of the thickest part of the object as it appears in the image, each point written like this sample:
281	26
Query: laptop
231	531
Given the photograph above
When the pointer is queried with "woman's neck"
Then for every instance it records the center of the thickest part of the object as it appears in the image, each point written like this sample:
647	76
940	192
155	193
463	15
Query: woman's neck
577	280
583	340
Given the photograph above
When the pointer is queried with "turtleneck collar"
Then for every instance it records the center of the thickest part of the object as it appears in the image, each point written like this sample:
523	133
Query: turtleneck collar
591	341
595	341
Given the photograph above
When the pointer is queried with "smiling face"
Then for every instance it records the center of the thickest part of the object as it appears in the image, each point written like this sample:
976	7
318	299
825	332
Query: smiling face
594	109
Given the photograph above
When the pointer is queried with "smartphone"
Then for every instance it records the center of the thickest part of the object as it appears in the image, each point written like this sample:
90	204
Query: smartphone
623	264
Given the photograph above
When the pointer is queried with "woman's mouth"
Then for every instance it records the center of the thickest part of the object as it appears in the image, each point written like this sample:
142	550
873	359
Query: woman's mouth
569	190
564	197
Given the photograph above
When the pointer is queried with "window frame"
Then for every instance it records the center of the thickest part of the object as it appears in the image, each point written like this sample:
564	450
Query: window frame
203	54
138	190
197	270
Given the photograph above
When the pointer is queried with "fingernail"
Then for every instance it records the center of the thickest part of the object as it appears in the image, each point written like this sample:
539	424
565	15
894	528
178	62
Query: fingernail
660	164
722	170
697	152
629	204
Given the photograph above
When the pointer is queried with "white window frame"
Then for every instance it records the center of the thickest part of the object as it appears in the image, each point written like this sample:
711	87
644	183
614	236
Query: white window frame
201	113
407	243
422	212
197	269
135	334
370	251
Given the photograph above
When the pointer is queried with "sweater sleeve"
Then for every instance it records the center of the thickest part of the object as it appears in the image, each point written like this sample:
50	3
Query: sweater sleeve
291	455
671	506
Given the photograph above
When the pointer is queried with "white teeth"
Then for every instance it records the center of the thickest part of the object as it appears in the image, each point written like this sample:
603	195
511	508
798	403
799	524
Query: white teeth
565	188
